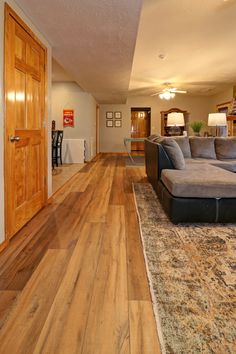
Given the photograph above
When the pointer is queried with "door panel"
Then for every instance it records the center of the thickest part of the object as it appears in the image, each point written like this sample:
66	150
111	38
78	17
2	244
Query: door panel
20	104
25	156
33	104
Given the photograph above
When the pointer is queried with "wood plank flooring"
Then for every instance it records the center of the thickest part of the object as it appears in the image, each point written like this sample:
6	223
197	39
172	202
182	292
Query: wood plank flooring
63	173
73	280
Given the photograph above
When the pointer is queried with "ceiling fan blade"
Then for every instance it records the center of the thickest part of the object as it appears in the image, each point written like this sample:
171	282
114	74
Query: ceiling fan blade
157	93
178	91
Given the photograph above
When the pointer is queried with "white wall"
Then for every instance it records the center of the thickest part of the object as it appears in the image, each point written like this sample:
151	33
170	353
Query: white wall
2	103
111	139
69	95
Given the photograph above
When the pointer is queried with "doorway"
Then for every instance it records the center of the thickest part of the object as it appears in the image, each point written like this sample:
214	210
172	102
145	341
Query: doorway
25	133
140	126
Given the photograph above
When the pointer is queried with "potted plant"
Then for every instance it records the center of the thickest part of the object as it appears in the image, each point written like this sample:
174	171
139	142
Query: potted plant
197	126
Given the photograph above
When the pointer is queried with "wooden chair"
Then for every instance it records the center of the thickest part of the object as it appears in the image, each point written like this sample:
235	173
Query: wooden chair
59	145
57	138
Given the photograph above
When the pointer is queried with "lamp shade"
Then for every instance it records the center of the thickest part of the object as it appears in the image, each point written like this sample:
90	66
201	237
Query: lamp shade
175	119
217	119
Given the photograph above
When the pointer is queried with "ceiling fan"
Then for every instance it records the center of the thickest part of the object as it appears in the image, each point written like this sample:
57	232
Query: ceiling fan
168	93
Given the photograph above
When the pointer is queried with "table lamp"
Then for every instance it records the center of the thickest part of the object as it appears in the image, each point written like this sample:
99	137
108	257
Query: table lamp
175	120
218	120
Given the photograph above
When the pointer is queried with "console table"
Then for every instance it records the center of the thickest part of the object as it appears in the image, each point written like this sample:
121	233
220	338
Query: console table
132	140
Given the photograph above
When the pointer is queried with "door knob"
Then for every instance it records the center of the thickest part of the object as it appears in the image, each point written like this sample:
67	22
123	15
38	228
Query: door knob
14	138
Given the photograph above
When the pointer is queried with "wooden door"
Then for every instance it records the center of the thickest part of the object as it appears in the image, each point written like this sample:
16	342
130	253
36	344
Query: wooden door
25	171
140	128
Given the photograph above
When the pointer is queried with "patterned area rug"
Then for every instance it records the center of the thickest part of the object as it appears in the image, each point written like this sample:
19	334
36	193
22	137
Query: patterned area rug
192	275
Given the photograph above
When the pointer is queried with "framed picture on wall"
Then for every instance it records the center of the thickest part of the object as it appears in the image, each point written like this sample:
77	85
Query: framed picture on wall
118	115
118	123
109	115
68	118
109	123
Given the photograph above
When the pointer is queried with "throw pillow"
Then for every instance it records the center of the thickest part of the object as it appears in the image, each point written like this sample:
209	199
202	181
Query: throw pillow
202	147
225	148
183	142
174	152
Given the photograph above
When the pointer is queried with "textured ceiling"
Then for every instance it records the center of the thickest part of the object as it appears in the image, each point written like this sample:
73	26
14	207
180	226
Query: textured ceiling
94	41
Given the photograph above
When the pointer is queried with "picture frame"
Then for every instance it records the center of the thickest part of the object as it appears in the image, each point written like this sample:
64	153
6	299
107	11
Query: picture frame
118	123
118	115
109	123
109	115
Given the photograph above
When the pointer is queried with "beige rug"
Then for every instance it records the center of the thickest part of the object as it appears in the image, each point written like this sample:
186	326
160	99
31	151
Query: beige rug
192	274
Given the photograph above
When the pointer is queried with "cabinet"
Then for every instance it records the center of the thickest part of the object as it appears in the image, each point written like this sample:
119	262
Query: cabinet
231	122
164	114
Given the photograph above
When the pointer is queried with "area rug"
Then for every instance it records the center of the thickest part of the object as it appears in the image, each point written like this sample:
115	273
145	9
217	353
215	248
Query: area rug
192	275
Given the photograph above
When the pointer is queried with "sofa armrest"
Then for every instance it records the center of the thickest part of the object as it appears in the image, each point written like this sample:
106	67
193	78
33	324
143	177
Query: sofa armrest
156	159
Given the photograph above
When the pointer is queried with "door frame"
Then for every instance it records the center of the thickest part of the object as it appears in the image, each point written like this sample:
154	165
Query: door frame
141	109
97	128
10	12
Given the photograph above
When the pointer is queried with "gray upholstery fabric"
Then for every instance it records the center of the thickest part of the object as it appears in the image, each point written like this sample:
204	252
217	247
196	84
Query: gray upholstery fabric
202	147
227	164
183	142
153	137
205	181
225	148
174	152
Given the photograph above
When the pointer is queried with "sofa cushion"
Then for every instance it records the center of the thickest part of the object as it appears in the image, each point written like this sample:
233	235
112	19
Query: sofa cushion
174	152
200	181
202	147
183	142
225	148
228	164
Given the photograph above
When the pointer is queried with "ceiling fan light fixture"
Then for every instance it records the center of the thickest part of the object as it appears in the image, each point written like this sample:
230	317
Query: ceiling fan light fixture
166	95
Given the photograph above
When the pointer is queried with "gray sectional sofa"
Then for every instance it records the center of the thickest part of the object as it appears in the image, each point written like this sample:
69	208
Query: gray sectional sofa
194	177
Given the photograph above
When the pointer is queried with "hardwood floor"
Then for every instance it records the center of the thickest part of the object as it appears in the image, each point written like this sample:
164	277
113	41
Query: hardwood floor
73	280
63	173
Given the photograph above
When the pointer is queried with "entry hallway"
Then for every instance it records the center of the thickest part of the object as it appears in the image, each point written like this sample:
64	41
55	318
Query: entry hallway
73	280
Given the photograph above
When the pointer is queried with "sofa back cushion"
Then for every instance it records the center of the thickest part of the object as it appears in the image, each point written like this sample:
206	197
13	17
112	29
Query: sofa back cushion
202	147
183	142
225	148
174	152
153	137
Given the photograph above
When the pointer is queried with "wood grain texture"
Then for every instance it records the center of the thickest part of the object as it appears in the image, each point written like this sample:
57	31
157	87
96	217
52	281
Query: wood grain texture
7	301
29	315
99	300
25	159
137	284
64	328
108	318
142	328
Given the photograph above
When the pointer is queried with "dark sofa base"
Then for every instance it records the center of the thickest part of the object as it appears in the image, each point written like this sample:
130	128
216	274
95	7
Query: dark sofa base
196	209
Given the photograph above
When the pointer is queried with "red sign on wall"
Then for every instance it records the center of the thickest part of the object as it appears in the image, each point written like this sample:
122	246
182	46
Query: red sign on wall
68	118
